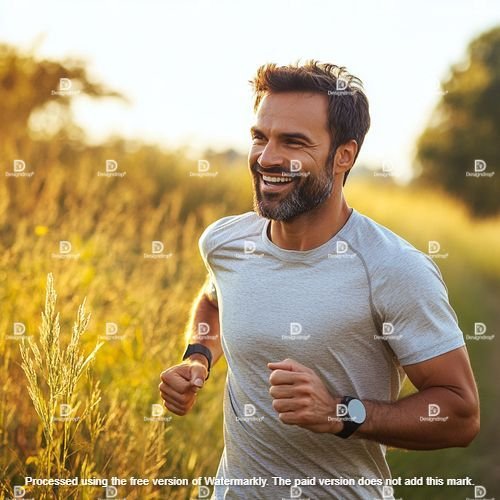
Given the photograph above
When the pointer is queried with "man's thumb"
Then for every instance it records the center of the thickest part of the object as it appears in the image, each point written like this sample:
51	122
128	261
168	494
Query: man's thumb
198	374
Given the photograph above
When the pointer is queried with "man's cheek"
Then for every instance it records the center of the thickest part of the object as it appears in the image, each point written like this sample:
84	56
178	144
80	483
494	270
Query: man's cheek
254	153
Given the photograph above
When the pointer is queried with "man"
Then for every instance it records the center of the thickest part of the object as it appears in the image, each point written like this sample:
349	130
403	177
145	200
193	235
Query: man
322	312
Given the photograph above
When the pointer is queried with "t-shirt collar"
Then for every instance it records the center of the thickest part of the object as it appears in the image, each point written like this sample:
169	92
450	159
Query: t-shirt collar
313	253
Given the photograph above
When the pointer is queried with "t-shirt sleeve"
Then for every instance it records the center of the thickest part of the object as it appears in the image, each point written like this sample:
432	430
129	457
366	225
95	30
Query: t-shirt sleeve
205	245
210	290
213	238
412	299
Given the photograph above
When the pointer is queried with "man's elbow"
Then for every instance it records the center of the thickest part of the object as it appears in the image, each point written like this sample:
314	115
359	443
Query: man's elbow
470	429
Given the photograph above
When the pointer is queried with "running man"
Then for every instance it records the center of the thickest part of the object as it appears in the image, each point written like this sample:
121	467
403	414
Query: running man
320	313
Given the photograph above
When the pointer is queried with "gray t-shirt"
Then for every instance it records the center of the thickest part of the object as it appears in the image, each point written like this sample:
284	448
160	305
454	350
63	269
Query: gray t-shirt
355	309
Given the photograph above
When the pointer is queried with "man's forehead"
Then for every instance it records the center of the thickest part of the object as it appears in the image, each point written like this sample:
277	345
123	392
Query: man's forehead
307	109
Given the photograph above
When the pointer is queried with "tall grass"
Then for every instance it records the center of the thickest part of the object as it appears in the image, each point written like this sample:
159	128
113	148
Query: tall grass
53	372
111	224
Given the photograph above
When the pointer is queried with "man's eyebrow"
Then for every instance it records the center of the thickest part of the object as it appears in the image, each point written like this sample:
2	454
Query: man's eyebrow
285	135
296	135
256	130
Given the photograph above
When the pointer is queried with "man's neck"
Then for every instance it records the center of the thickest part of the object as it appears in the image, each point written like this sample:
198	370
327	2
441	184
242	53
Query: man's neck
311	229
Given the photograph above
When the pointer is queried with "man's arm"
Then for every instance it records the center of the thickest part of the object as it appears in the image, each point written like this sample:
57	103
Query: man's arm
203	327
446	381
180	383
300	397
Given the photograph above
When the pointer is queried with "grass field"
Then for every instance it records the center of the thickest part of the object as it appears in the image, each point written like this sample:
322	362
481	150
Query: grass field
111	223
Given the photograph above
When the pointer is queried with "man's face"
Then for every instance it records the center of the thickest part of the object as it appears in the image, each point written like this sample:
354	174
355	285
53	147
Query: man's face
288	157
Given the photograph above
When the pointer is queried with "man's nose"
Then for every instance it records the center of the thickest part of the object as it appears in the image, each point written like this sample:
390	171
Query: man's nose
270	156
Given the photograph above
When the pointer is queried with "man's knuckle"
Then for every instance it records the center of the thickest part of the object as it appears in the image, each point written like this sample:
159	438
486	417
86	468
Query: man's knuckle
308	390
183	389
284	417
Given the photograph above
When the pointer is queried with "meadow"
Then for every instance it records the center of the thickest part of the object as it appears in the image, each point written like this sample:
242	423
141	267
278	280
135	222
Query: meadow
109	378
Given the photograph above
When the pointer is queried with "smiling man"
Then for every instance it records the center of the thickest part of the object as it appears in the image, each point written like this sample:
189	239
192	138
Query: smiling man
320	313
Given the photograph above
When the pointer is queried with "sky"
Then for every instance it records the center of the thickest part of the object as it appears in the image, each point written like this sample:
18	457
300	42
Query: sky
185	65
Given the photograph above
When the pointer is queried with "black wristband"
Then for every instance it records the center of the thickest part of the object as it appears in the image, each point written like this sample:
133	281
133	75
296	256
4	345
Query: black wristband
199	349
351	422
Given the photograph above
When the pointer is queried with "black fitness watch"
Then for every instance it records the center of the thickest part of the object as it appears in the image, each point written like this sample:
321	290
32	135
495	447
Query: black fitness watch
353	414
199	349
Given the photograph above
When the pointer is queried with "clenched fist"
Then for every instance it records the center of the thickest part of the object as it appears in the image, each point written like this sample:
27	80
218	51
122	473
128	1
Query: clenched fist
300	397
180	384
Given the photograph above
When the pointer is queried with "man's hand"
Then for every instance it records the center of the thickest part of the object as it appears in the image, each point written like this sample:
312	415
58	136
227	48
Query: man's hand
301	397
180	384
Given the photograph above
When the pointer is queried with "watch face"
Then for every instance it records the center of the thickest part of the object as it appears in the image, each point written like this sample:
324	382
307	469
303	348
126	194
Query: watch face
357	411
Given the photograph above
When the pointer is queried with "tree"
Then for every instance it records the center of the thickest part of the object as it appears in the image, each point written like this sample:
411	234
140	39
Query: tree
31	97
460	149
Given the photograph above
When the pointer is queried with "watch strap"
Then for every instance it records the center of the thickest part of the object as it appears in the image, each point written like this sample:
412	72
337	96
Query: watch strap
199	349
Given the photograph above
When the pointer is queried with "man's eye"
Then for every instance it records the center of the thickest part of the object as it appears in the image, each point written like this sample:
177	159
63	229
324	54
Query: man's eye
257	138
294	143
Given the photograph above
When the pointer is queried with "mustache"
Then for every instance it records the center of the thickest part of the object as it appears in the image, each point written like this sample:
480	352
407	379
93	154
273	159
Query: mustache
256	168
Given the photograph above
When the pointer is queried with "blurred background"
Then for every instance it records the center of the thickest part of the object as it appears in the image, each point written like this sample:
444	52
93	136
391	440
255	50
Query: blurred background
109	113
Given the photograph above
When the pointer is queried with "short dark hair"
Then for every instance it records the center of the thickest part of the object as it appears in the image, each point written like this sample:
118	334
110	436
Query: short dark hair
348	110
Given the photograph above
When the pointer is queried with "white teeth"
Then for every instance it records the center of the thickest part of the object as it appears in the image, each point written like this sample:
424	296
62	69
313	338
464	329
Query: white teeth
277	179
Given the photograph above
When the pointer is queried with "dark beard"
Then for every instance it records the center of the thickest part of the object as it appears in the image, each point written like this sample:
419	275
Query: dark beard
310	192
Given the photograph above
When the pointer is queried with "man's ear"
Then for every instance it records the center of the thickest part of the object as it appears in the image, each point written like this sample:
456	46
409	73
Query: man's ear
344	157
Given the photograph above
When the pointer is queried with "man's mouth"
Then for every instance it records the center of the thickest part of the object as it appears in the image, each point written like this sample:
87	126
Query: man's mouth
275	183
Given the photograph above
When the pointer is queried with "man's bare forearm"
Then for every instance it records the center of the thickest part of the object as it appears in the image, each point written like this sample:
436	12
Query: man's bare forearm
203	328
409	423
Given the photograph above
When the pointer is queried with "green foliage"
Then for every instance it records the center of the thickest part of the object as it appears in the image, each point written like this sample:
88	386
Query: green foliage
466	127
